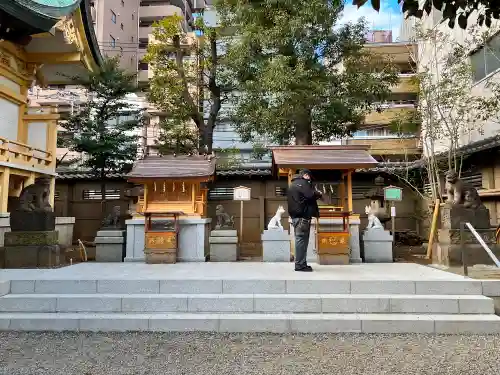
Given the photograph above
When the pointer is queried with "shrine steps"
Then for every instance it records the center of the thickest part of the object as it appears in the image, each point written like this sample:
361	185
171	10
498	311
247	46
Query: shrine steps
303	305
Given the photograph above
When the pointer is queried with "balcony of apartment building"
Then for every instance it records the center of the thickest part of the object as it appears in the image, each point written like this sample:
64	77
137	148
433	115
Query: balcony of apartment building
384	142
151	11
398	105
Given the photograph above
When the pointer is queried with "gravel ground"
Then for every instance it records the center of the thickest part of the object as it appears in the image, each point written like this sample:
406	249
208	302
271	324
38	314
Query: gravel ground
239	354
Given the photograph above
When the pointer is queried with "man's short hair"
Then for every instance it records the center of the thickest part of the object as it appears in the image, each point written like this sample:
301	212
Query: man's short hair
305	171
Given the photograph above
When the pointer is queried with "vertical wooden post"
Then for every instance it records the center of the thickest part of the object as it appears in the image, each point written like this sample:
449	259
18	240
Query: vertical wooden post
393	224
193	196
145	203
30	180
241	224
433	229
4	190
52	195
341	192
349	190
262	213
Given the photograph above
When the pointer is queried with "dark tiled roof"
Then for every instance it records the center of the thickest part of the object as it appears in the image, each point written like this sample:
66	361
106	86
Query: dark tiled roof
245	172
323	156
170	166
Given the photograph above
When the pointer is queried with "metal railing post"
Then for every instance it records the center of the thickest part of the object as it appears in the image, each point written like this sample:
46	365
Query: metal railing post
462	247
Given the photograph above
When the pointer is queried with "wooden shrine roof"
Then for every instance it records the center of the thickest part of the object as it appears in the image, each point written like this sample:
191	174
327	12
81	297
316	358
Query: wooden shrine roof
181	166
323	157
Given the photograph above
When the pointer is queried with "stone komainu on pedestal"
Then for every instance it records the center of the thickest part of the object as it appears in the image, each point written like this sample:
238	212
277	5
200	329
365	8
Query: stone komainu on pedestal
463	205
33	240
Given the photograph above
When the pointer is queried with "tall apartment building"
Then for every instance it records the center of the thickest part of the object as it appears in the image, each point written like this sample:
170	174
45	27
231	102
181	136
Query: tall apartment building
385	144
116	24
151	11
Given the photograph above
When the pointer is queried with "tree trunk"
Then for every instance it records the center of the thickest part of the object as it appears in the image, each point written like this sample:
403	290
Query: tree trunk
303	134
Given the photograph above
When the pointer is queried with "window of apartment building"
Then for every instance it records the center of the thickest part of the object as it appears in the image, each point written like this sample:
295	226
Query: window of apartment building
113	17
112	41
143	66
486	59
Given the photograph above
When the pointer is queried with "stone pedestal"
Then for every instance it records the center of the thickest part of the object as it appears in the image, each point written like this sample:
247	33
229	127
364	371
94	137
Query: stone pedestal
65	226
377	244
449	250
109	245
193	239
32	221
34	249
223	246
275	246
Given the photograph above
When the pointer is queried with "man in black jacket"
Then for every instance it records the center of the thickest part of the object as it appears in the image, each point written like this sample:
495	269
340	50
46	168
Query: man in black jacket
302	207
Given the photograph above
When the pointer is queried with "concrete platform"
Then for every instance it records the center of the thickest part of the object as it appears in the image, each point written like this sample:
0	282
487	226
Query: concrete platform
246	297
232	271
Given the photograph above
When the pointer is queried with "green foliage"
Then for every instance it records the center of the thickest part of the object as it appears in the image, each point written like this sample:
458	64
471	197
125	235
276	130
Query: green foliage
453	10
186	78
406	123
176	138
284	61
259	151
108	141
229	158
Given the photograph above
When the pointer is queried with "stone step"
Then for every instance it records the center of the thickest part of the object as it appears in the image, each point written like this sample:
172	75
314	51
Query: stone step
248	303
279	323
248	286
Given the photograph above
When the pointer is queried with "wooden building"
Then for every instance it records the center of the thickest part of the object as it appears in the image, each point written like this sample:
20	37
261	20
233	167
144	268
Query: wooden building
42	43
174	208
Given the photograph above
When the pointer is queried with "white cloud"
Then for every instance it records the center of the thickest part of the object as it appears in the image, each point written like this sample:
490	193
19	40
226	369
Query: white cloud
388	18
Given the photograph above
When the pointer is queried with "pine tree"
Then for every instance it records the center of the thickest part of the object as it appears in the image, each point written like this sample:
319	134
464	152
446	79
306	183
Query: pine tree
105	130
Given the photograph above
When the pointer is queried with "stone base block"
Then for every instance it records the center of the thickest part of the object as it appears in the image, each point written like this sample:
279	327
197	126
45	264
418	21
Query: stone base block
48	256
377	246
35	238
329	259
275	246
224	233
32	221
223	252
109	246
155	256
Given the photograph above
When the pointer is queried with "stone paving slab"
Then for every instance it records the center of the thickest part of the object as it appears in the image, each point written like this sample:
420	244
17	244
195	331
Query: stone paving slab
250	303
276	323
231	271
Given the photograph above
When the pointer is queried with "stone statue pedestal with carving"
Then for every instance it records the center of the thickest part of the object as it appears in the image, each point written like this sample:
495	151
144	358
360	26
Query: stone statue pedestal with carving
275	245
110	245
223	245
377	244
448	249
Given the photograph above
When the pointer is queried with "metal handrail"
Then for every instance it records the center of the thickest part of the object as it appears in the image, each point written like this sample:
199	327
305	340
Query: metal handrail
481	242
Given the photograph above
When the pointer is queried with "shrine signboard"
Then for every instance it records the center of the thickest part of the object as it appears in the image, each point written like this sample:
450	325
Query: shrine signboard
393	193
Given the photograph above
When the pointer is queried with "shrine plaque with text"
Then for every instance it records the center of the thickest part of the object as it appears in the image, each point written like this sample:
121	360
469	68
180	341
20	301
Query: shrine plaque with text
161	240
333	243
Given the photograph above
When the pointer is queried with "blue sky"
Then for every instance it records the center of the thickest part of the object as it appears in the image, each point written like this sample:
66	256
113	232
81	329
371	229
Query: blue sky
389	17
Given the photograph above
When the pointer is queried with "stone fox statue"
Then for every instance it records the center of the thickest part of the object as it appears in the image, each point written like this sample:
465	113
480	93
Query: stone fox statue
35	197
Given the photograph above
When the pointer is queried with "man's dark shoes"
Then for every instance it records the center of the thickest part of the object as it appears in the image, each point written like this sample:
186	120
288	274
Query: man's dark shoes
304	269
